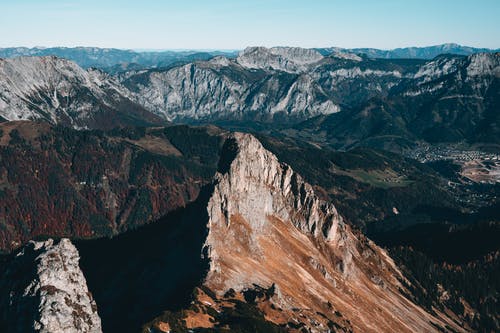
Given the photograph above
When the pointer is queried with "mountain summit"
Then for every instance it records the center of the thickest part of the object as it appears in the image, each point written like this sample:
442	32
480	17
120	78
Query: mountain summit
268	231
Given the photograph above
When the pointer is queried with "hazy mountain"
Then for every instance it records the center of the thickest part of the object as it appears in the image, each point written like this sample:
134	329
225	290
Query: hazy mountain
426	52
112	59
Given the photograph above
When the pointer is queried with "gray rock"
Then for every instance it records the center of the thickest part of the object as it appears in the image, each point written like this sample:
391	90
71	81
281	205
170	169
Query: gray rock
44	290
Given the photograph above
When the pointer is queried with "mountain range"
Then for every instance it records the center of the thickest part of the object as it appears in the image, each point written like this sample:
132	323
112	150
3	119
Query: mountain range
115	60
382	102
112	59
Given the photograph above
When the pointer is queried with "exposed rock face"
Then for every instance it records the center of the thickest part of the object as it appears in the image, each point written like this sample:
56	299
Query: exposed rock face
222	89
44	290
267	227
286	85
61	92
288	59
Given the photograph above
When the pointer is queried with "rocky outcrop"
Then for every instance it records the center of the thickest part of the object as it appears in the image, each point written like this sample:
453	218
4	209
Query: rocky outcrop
268	228
44	290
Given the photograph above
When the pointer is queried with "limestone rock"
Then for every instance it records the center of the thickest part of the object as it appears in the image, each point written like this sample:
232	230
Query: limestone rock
268	228
44	290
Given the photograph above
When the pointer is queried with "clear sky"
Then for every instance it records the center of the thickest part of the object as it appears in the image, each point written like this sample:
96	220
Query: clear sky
234	24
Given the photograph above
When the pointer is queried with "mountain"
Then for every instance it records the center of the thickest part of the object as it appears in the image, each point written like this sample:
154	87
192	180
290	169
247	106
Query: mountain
111	59
267	228
276	256
426	52
60	92
224	89
449	99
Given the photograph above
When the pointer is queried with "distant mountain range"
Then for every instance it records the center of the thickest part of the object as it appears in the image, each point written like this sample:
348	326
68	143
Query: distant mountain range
425	52
115	60
112	59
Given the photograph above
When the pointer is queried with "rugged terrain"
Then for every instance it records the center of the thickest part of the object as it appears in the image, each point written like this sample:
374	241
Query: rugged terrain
345	100
60	92
195	227
42	289
264	233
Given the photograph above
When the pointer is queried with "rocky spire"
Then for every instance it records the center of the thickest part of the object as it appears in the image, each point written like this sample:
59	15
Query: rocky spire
44	290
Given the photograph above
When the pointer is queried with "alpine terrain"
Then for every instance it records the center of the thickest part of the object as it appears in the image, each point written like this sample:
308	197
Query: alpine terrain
279	189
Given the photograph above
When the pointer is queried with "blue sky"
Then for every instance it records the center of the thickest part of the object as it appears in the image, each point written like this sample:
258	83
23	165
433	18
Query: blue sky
234	24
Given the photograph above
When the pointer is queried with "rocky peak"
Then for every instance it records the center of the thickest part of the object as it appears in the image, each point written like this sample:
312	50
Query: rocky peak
288	59
44	290
267	228
265	186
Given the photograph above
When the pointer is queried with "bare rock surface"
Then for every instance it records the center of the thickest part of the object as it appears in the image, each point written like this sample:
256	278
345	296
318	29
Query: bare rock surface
44	290
268	228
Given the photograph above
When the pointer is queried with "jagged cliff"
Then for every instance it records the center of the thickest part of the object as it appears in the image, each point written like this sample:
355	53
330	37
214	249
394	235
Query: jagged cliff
42	289
225	89
288	59
270	234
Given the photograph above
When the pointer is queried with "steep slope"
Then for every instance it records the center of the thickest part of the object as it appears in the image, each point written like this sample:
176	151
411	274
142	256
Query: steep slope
61	92
222	89
42	289
267	229
60	182
449	99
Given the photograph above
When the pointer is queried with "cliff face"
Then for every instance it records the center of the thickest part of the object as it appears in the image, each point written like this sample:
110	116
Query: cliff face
288	59
268	228
44	290
224	89
60	92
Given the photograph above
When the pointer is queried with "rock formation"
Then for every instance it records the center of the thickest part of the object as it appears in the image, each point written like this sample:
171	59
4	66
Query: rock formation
43	290
267	228
61	92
